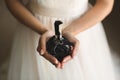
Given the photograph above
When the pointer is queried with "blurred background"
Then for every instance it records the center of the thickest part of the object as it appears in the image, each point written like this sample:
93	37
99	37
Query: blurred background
8	24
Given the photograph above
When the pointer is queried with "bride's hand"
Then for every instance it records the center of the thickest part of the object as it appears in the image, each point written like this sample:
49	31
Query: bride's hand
42	48
75	47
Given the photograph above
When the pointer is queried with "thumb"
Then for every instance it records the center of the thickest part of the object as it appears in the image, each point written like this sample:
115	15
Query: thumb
43	44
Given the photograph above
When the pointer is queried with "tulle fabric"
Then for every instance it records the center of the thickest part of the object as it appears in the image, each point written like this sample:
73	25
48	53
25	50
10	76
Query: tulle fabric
92	62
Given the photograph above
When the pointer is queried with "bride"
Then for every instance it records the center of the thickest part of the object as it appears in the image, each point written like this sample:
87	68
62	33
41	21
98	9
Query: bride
90	58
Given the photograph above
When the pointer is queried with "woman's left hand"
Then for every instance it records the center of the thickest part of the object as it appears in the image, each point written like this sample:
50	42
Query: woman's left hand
75	47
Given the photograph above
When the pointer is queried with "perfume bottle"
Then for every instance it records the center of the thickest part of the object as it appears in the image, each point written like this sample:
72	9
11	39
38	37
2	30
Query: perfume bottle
58	46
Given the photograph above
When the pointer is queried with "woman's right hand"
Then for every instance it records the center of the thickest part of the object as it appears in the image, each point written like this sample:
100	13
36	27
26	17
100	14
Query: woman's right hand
42	48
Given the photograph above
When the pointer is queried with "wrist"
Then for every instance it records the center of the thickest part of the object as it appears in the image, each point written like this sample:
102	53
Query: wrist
42	31
66	32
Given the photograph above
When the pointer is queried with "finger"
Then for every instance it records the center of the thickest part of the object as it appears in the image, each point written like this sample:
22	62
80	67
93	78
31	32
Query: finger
43	43
66	59
50	58
41	52
75	48
44	38
39	49
58	66
62	65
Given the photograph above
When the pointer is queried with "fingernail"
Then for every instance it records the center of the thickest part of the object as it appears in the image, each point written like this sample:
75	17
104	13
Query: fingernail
41	52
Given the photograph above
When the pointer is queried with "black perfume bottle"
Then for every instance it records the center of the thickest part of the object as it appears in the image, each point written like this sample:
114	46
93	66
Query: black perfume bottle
58	46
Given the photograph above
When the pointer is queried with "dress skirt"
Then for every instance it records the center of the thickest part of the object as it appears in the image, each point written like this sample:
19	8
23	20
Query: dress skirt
92	62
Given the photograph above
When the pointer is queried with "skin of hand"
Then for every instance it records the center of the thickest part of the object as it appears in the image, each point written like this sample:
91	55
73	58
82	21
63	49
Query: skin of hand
75	47
42	48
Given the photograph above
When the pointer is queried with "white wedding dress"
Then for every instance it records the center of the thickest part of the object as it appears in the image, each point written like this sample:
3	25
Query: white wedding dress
92	62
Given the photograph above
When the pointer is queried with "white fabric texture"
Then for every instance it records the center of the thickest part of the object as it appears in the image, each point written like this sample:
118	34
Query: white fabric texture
92	62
